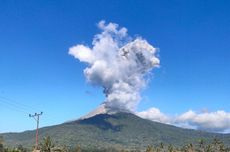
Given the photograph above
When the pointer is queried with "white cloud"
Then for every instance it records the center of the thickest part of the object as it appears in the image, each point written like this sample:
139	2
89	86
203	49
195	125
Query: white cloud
218	121
83	53
154	114
113	28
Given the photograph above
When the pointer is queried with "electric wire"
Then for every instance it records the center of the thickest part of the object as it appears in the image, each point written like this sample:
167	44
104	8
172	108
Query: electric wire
19	107
16	103
16	106
11	107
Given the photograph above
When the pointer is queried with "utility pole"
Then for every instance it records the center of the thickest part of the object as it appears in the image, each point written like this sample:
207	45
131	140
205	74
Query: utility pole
36	118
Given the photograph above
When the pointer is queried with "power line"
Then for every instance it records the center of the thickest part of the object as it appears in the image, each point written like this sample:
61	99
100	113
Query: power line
16	103
17	106
36	118
12	107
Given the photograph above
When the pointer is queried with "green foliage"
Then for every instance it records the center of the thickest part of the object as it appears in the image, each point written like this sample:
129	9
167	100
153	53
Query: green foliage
46	145
215	146
170	148
20	148
77	149
1	148
1	144
149	149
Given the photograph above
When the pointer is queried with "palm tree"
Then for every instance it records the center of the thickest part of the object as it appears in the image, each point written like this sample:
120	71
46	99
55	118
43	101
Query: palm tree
47	144
149	149
170	148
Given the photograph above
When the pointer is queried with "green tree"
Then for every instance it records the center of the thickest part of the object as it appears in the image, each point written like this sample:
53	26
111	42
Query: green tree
149	149
20	148
47	144
208	148
1	147
201	146
170	148
77	148
1	144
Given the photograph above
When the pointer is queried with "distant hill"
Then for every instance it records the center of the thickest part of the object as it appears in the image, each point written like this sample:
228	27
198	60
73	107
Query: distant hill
120	130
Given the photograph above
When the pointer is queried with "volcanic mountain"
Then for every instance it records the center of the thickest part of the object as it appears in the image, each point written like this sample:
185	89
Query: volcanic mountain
102	129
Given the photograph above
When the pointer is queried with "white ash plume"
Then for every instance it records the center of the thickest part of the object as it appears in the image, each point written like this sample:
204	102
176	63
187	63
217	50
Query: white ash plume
118	65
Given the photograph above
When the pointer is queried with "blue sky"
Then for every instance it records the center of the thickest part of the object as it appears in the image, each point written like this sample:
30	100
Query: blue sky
37	74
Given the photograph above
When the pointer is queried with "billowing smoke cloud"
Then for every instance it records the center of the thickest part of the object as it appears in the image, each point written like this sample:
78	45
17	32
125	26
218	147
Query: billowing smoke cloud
118	64
218	121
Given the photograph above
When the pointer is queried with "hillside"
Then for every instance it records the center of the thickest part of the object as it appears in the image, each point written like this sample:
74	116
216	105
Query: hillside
121	130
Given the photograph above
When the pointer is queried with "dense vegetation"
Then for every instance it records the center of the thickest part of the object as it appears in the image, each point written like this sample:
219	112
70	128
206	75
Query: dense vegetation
118	131
47	145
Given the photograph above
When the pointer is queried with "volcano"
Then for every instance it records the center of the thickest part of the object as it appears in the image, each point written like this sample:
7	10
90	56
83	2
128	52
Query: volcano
103	109
102	128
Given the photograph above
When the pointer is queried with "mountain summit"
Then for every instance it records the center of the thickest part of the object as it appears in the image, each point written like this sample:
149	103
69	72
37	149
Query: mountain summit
99	110
102	109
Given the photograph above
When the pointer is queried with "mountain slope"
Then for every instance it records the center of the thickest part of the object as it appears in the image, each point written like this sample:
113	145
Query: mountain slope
120	130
